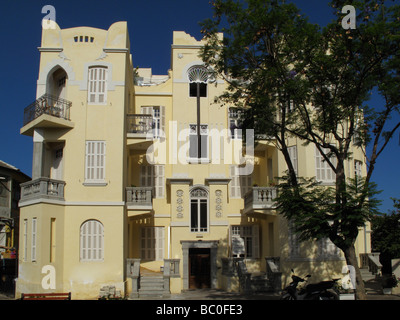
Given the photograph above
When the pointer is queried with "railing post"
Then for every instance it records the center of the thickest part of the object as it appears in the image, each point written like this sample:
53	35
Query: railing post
273	273
133	272
167	275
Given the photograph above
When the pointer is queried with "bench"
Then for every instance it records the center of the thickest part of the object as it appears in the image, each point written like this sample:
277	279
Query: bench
46	296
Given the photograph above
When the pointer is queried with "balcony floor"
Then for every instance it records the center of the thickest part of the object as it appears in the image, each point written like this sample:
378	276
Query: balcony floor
46	121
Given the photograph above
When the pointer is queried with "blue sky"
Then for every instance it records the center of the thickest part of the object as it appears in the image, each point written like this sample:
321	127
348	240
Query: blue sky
151	24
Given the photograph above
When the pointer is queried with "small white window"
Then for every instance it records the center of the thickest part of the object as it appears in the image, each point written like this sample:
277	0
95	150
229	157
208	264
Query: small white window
239	184
244	241
157	123
92	241
324	172
95	161
97	85
357	168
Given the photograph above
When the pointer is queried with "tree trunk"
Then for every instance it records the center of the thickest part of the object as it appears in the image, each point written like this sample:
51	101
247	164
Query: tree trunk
351	260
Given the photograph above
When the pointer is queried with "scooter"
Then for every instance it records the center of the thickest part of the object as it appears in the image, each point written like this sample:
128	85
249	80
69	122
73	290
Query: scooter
324	290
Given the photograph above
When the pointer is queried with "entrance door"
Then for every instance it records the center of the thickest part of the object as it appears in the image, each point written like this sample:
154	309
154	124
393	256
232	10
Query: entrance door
199	268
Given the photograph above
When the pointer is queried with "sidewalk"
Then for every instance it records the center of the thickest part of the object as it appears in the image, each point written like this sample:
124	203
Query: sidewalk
212	294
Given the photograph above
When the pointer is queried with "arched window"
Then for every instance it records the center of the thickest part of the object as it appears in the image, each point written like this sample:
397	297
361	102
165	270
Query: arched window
198	210
198	78
92	241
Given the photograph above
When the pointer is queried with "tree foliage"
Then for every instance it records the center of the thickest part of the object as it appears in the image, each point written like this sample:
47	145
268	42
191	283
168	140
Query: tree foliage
296	79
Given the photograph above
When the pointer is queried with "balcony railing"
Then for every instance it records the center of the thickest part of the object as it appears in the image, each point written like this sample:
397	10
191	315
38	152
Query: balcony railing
47	104
42	188
260	198
139	124
139	197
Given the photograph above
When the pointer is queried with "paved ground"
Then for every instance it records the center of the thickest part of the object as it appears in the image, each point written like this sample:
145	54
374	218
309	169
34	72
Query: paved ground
210	294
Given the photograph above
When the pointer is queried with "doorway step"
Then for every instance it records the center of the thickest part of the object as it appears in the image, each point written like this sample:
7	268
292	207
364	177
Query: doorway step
152	284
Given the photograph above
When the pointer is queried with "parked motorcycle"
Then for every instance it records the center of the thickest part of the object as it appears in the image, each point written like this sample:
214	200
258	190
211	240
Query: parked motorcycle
324	290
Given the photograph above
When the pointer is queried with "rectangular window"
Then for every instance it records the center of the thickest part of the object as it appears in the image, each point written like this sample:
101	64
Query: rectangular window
235	122
293	157
157	123
153	176
324	172
327	249
240	184
193	142
152	243
198	87
294	243
244	241
357	168
95	161
34	239
198	215
97	85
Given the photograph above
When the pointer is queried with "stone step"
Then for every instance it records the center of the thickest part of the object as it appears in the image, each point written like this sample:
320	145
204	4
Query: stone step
366	275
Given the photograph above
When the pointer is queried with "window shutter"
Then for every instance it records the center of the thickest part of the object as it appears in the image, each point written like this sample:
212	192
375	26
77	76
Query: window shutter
159	180
160	243
95	160
97	84
162	115
193	146
92	241
324	172
34	239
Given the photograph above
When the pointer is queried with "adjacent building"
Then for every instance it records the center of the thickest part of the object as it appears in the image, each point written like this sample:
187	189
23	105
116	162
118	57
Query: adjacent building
137	175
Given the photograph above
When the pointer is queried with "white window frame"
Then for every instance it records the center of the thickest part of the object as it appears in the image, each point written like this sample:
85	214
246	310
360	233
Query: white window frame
323	171
97	85
91	241
244	238
158	121
153	176
152	243
95	162
34	240
197	197
239	184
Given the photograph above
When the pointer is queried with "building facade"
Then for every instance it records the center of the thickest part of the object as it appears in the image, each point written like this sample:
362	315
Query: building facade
135	173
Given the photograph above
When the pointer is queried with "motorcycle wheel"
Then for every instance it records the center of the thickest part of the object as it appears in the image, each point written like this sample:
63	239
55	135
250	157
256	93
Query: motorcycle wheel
328	295
286	296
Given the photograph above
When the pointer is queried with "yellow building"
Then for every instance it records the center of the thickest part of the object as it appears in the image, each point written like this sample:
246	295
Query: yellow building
138	181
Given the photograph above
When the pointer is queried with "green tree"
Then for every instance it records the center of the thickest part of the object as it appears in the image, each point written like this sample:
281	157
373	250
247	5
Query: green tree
295	79
386	236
